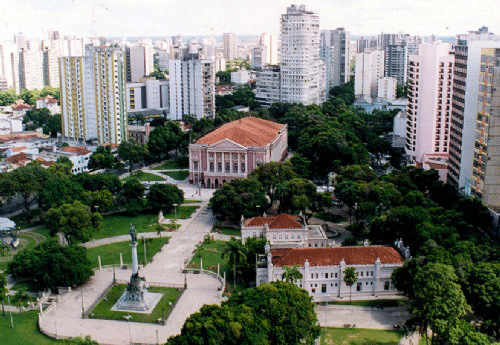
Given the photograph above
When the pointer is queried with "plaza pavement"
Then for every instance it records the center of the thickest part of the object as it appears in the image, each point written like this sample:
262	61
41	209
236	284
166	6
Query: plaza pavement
66	321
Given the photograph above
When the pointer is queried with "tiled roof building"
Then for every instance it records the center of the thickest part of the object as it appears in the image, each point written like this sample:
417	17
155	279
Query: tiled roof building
323	269
235	149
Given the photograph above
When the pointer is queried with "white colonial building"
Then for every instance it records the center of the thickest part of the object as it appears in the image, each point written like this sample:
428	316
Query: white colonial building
323	270
284	231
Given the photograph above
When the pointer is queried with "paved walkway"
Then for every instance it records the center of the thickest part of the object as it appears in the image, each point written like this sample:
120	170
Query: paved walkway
65	320
362	317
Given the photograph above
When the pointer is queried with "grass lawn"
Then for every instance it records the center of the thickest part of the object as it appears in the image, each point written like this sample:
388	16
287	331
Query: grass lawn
227	230
350	336
44	232
25	330
172	164
144	176
384	303
191	201
183	212
103	308
110	253
119	224
177	175
211	253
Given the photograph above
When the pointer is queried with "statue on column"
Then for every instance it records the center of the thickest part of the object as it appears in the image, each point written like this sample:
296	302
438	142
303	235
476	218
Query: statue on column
133	233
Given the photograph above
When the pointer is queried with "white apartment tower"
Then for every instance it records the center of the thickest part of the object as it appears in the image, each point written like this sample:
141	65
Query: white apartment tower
368	70
466	104
93	100
429	101
139	62
386	88
192	83
396	60
335	52
270	42
30	69
230	46
302	71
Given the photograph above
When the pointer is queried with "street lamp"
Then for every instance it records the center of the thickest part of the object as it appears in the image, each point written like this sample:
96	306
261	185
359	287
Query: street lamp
175	212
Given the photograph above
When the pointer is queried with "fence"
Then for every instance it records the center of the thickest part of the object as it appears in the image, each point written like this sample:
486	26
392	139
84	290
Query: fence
155	284
217	276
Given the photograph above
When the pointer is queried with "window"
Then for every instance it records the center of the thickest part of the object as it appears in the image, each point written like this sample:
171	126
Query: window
219	167
242	167
326	275
227	167
313	290
317	275
359	286
387	285
211	166
235	167
195	165
312	276
323	288
362	273
336	275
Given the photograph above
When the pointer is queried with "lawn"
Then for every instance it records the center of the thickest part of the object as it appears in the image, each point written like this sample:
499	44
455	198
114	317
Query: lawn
103	308
172	164
119	224
211	253
191	201
144	176
44	232
177	175
183	212
225	230
110	253
356	336
25	330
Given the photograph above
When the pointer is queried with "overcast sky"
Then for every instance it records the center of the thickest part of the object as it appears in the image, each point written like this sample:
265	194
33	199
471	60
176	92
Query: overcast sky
213	17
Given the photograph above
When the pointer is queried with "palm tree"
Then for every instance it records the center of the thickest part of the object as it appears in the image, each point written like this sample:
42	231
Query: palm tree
291	274
236	252
350	278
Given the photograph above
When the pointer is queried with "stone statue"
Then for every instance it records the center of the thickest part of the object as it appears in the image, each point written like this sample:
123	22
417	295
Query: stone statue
133	233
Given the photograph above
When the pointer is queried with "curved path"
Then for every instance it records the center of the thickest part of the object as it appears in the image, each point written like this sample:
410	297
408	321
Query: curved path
66	321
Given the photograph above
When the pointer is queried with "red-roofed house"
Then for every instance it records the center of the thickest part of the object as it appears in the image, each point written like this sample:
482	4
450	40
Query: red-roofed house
235	149
323	268
284	231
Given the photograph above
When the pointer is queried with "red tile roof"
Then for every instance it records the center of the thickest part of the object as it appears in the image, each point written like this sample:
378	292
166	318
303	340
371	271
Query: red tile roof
332	256
18	149
77	150
21	107
248	131
282	221
16	158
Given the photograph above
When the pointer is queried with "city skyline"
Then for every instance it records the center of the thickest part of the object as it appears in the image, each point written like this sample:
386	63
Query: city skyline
122	18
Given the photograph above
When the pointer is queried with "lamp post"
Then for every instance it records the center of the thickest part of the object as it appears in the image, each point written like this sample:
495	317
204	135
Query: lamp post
97	208
83	309
175	212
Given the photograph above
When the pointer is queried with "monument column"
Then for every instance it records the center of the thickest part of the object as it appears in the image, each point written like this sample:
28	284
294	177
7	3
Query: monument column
135	264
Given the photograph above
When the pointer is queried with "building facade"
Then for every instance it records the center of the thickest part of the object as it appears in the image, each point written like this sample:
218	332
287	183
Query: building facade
148	94
386	88
192	83
465	104
284	231
30	69
229	45
335	52
429	101
139	62
235	149
369	69
268	86
93	98
396	59
486	166
302	71
323	270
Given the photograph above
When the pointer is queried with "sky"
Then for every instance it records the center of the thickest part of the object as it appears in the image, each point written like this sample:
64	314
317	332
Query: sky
148	18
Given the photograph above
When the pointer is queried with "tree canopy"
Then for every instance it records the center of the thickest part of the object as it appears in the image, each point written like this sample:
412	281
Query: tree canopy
49	265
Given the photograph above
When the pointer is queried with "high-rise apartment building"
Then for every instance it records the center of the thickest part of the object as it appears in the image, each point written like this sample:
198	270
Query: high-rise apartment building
486	166
369	68
30	69
139	62
396	59
363	44
259	57
9	67
302	71
386	88
268	85
271	43
93	100
51	67
192	84
429	101
230	46
335	52
387	39
466	103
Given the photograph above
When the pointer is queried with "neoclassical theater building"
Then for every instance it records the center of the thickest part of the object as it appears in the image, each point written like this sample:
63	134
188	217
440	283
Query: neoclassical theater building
235	149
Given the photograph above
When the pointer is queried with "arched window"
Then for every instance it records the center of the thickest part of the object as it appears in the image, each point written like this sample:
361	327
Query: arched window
242	167
227	167
211	166
235	167
219	166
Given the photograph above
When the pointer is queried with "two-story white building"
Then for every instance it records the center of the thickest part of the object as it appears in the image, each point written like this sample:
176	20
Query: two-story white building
323	270
284	231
